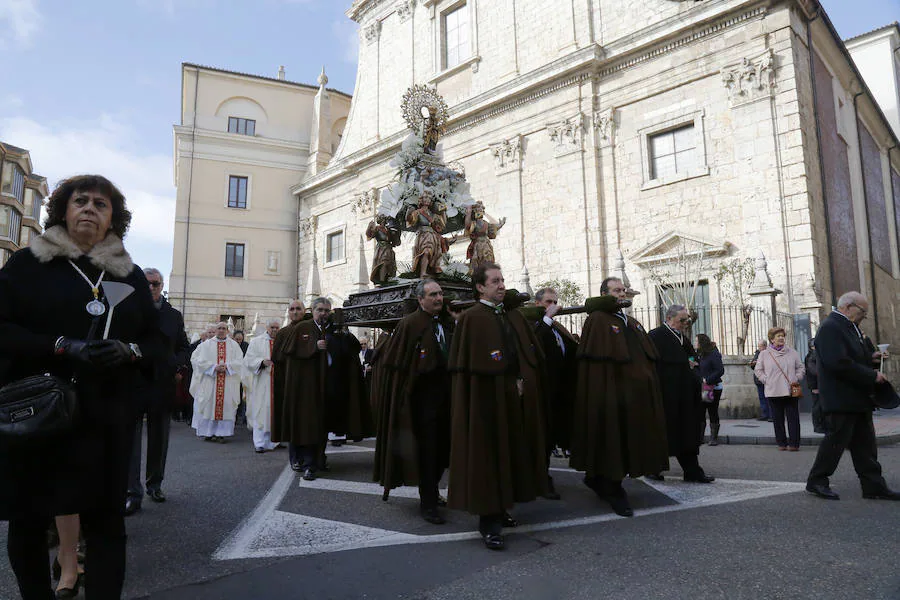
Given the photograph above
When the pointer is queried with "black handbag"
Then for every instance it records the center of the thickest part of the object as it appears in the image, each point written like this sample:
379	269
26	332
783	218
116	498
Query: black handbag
37	407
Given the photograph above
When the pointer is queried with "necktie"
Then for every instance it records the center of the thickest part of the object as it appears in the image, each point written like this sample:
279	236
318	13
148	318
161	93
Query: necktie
499	309
439	336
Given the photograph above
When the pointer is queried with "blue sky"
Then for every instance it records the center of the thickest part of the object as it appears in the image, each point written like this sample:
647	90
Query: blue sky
94	86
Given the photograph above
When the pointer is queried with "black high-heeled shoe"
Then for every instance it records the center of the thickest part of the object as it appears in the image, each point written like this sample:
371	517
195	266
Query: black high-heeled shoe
72	592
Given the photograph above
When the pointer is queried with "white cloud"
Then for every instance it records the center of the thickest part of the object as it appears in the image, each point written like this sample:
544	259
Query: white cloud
21	18
59	150
347	34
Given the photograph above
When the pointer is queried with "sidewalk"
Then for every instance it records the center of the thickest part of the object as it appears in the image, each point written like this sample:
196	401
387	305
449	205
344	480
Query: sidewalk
751	431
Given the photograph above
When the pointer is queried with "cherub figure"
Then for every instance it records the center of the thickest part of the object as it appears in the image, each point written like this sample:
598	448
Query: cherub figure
386	234
429	221
480	232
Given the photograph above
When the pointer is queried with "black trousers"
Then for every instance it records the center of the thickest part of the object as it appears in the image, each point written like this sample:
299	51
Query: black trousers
712	409
786	407
854	432
308	456
430	440
104	534
690	464
159	421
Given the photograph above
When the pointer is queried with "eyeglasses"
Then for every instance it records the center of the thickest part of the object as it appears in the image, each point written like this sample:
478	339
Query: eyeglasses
155	283
684	320
296	308
864	311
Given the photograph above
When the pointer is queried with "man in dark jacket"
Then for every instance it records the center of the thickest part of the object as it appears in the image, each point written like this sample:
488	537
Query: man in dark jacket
846	384
681	393
559	348
159	398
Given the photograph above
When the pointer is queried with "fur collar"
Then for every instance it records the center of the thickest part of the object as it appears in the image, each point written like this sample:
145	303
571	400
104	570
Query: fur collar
109	254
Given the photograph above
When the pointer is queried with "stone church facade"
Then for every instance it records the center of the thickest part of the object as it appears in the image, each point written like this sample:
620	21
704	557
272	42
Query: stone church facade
612	133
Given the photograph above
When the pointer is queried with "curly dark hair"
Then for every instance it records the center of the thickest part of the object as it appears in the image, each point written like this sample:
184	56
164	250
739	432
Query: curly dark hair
59	201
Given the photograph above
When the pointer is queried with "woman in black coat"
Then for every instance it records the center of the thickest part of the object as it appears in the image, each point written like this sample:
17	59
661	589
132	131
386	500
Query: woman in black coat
711	370
53	314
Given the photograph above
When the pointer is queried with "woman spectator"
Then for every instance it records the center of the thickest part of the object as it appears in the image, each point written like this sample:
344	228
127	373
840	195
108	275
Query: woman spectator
53	312
711	370
779	368
765	413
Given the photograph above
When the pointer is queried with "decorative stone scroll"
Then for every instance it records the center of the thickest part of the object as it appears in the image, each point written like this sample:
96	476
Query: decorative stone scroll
363	204
405	9
507	155
567	135
751	79
604	122
372	32
308	226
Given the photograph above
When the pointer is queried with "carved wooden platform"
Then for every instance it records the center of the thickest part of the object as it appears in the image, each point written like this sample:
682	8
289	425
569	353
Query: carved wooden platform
384	306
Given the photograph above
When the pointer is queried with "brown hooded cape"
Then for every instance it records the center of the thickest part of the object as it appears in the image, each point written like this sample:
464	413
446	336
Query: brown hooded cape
413	385
497	451
619	426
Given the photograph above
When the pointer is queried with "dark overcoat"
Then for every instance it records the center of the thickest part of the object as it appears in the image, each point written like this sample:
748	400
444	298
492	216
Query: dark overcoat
176	354
561	370
846	377
619	426
680	387
42	297
498	438
415	385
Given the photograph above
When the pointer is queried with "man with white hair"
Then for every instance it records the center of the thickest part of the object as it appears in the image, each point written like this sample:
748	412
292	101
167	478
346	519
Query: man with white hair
218	365
259	381
847	382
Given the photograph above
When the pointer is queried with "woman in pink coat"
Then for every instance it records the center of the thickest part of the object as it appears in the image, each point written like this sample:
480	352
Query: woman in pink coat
778	367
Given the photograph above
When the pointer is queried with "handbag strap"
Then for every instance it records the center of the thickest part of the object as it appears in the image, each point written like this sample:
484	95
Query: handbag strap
780	369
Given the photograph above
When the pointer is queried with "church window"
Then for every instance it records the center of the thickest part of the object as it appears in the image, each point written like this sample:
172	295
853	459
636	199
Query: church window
10	224
234	260
455	30
673	152
237	191
334	247
241	126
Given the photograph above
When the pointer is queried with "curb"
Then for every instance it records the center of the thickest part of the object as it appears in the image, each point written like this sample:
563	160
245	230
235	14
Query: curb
881	440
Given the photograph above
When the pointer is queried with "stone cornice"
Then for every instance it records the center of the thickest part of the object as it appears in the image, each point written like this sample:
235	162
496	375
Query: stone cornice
235	140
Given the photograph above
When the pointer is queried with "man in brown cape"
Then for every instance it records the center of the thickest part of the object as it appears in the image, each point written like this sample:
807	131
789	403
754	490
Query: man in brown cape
320	389
497	450
413	445
619	426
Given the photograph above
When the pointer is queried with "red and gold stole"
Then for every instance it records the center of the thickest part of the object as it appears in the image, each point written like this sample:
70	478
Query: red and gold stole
220	383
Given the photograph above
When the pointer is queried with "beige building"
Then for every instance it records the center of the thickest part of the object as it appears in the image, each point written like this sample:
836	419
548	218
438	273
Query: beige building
22	194
243	141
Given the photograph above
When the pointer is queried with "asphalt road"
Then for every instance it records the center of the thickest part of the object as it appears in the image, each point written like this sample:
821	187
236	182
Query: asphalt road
239	526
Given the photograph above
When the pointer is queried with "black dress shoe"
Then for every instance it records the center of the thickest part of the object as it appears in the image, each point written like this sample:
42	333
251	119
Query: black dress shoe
132	506
822	491
655	477
493	541
620	506
508	521
308	475
700	478
156	495
296	467
883	495
433	516
260	450
72	592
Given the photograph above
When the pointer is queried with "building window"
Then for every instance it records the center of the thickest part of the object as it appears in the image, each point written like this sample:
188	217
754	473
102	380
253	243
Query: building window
10	224
455	36
234	260
18	184
241	126
334	247
673	152
237	192
36	202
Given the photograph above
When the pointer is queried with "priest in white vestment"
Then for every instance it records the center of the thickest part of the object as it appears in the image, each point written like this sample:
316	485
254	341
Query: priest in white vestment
259	380
216	385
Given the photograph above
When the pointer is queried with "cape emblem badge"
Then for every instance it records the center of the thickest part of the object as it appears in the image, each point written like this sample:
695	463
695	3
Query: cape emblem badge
305	336
615	328
496	355
422	353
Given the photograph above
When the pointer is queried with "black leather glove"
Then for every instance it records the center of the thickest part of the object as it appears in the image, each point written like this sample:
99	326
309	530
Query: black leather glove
107	354
75	350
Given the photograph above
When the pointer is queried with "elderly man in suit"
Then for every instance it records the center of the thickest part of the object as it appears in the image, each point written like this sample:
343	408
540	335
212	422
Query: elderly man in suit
846	384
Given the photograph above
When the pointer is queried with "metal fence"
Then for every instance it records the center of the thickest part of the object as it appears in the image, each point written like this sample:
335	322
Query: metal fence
735	330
